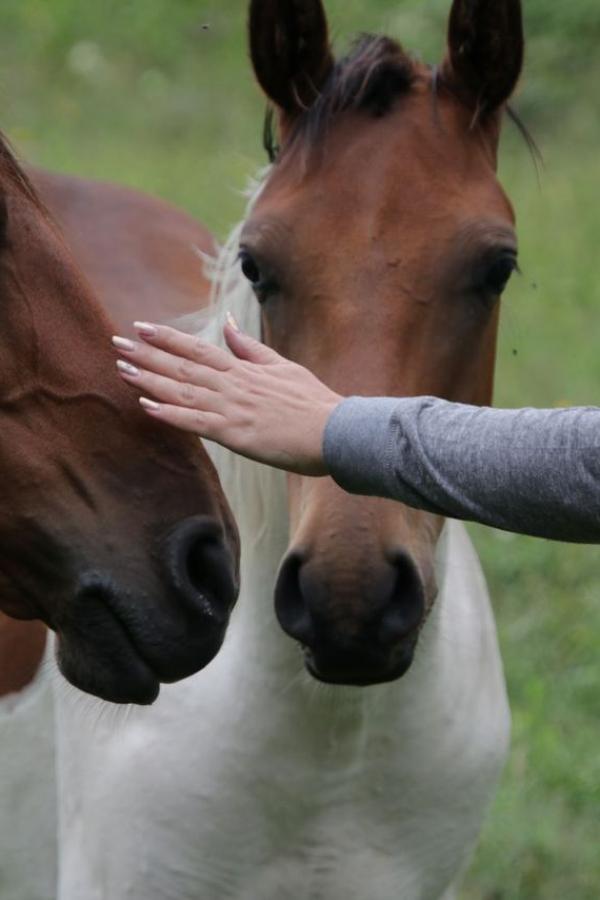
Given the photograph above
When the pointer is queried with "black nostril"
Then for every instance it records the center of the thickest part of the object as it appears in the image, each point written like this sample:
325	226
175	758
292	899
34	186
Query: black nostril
405	609
291	607
195	564
199	565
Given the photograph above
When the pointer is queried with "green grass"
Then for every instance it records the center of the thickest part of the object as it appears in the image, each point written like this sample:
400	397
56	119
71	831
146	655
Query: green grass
139	92
542	838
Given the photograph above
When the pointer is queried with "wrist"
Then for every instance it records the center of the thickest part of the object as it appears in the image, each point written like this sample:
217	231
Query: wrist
321	468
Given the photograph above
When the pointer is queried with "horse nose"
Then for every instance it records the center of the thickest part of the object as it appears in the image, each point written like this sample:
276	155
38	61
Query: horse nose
369	622
199	567
122	636
292	606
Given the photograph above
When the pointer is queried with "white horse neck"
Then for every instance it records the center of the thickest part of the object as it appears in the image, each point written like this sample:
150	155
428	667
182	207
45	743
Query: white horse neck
456	660
28	816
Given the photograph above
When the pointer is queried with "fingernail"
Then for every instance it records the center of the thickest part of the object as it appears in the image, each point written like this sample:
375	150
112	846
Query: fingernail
149	404
122	343
127	368
146	328
232	321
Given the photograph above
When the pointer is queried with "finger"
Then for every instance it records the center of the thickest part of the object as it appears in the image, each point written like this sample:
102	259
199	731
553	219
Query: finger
247	348
152	359
169	391
186	345
205	425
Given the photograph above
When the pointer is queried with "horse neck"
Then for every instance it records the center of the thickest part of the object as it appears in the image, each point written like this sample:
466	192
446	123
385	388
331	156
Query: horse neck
431	706
272	662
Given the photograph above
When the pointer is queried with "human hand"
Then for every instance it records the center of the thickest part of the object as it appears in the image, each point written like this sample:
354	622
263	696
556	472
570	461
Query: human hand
251	400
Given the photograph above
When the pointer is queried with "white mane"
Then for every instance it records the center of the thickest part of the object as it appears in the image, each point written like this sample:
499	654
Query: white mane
254	491
231	292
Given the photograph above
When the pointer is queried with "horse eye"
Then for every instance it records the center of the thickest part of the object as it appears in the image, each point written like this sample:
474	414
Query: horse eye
264	283
250	268
498	275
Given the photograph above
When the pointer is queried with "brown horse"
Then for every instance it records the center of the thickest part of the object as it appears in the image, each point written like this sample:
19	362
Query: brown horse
114	533
378	249
142	259
142	256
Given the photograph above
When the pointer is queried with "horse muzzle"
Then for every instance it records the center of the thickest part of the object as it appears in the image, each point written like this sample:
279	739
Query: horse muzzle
120	643
356	630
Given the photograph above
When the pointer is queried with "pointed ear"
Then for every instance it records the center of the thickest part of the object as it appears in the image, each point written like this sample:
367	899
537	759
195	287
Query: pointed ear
485	51
290	50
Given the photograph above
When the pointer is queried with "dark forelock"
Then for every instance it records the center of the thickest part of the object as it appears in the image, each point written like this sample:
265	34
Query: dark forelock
369	79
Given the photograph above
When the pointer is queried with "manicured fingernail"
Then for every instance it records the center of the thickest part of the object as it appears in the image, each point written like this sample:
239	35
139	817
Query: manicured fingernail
232	321
127	368
147	329
150	405
122	343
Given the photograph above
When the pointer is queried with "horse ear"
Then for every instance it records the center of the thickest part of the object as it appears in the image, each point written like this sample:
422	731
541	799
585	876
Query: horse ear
290	50
485	50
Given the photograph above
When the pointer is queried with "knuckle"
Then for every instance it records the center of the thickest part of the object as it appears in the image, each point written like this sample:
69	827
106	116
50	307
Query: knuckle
201	424
244	425
185	370
236	383
244	437
199	349
186	394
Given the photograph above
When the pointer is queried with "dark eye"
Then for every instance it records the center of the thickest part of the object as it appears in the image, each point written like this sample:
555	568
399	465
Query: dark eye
262	281
498	273
250	268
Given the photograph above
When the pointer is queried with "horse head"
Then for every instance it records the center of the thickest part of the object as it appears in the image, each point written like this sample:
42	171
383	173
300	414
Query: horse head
378	249
114	531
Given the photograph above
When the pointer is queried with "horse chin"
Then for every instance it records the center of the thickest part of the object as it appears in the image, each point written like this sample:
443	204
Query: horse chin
360	673
121	644
111	669
120	663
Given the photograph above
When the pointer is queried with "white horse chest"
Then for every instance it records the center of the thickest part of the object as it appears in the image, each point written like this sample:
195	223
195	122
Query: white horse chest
28	794
238	785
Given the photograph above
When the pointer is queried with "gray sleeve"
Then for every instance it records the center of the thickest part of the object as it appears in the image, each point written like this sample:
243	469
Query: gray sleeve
530	471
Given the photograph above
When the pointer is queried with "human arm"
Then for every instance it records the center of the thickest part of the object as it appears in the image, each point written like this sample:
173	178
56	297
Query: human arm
530	471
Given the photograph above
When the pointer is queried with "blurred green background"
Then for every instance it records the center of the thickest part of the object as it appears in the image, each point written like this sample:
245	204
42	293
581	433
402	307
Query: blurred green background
158	94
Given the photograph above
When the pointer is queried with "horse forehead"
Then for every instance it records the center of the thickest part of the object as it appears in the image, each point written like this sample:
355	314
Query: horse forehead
420	133
418	161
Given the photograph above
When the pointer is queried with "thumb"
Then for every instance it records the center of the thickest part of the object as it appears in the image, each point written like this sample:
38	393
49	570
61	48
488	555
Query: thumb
245	347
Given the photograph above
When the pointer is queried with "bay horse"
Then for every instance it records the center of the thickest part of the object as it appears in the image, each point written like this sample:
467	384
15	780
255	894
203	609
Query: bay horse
143	259
374	252
114	534
145	263
142	256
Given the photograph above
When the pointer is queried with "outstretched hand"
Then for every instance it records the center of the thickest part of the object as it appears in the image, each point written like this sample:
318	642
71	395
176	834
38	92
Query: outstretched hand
251	400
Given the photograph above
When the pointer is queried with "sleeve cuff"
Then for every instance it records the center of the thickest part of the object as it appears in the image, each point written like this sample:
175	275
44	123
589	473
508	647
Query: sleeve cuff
355	444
